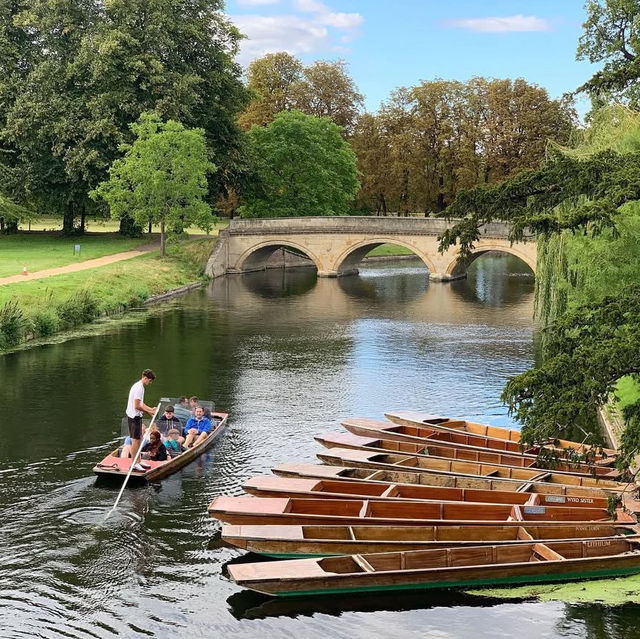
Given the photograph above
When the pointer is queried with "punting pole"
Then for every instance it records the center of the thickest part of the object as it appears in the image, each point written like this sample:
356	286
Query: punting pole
133	463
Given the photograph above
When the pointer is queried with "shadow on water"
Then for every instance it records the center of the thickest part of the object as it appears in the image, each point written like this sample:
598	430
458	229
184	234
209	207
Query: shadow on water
276	283
253	605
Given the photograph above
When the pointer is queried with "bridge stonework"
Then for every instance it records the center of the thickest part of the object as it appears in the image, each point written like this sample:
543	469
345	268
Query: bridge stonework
336	245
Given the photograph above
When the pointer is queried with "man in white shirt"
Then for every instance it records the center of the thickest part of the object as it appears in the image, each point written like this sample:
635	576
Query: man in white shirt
135	406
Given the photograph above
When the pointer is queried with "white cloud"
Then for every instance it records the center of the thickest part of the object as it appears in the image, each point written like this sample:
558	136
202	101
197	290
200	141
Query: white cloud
315	28
502	24
268	34
255	3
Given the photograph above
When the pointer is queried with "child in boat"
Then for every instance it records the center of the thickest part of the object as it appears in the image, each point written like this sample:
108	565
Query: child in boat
172	444
155	450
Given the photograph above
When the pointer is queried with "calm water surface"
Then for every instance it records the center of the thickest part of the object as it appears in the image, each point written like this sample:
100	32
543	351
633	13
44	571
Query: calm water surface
287	355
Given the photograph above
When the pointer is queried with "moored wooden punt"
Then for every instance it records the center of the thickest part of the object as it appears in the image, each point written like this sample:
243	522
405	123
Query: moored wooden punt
442	568
114	466
426	464
273	510
322	541
447	480
415	418
425	434
270	486
349	440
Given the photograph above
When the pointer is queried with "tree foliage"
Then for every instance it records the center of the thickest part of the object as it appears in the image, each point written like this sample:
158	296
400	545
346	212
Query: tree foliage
162	177
429	142
280	82
611	34
303	167
85	70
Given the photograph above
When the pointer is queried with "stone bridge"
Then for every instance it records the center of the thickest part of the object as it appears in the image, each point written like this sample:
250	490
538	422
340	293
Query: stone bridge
335	245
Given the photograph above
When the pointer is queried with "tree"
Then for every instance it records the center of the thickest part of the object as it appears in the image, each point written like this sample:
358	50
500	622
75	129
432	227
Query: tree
280	82
99	66
329	91
161	178
611	35
270	79
303	167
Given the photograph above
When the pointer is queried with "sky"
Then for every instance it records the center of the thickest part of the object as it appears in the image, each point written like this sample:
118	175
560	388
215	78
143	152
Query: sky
392	43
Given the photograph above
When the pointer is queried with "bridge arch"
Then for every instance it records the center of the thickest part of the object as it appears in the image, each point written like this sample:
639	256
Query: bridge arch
255	258
347	262
458	267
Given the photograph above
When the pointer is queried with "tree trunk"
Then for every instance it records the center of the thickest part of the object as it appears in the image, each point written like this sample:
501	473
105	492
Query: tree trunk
150	227
83	217
163	250
68	220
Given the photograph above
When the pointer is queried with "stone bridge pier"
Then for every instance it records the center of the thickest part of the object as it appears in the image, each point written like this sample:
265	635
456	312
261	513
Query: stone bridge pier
336	245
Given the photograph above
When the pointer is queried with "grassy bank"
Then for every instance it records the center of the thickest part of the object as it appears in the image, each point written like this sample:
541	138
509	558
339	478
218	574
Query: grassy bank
39	251
40	308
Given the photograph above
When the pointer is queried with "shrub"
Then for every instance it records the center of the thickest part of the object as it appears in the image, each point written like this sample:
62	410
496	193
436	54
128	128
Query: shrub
46	322
12	324
80	308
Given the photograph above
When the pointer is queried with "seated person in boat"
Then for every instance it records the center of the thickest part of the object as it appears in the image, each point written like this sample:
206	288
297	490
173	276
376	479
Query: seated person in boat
182	410
155	449
169	420
197	428
172	442
193	404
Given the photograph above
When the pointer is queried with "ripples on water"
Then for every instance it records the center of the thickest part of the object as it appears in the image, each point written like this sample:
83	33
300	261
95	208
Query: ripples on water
288	356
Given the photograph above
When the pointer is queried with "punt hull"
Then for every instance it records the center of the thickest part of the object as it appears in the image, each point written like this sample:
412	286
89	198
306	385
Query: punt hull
446	480
394	462
284	542
500	575
281	511
269	486
114	467
426	434
479	456
416	418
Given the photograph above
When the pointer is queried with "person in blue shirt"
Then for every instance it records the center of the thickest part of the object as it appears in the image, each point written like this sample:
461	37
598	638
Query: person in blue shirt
197	428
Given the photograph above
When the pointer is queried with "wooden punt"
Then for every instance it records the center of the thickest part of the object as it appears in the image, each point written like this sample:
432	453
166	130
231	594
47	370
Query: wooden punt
426	464
446	480
476	566
425	434
269	486
417	419
349	440
322	541
274	510
114	466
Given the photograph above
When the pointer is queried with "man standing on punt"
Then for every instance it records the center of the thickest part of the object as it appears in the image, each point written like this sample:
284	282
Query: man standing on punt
135	406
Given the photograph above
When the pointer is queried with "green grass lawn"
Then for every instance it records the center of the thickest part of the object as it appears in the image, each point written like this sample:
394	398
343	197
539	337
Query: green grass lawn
40	251
385	250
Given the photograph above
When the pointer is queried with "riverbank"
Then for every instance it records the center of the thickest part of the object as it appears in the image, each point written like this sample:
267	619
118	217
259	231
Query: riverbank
45	307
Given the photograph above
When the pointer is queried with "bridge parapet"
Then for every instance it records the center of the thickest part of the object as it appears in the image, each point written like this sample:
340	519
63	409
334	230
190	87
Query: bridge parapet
356	224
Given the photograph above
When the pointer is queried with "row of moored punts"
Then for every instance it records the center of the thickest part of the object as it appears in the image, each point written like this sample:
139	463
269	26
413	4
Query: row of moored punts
422	501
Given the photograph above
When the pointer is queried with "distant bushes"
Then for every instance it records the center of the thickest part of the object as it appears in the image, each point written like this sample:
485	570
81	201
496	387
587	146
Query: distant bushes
80	308
12	324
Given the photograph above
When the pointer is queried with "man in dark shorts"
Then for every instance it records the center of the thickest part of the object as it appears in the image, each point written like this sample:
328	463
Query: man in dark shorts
135	407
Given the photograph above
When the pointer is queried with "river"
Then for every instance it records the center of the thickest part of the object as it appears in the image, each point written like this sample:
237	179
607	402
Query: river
287	355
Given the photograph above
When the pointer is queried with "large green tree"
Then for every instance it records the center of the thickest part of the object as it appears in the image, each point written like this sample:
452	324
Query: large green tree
99	66
303	167
162	177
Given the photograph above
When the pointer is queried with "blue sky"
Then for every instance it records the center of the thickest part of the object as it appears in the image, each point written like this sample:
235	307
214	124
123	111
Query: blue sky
395	43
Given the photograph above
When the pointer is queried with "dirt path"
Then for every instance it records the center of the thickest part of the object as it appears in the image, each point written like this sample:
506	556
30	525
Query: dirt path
79	266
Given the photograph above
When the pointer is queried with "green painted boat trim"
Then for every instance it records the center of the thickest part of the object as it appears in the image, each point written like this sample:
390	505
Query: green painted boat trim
525	579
